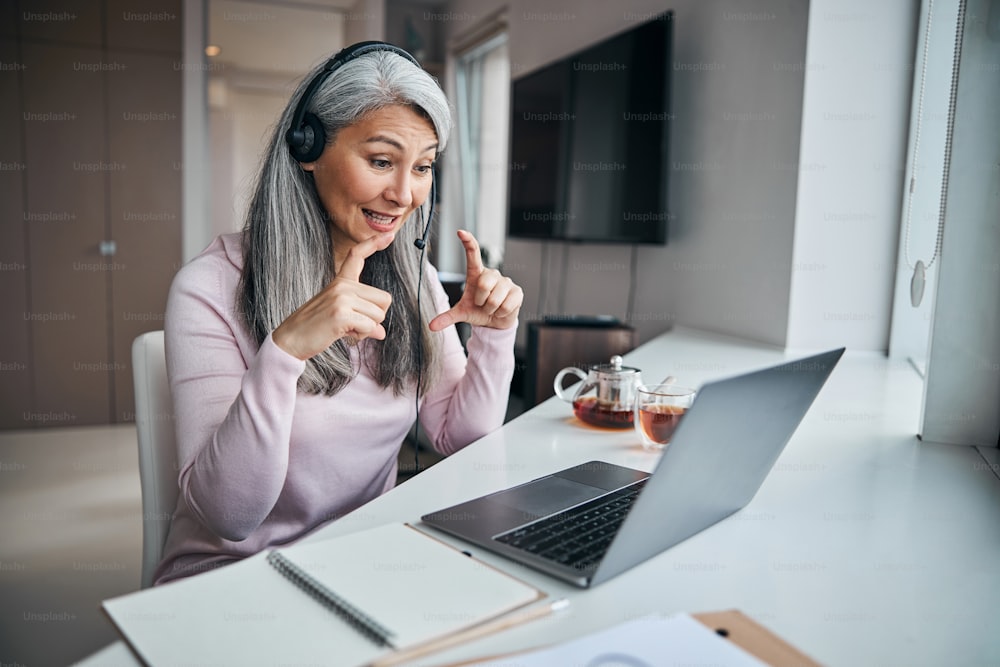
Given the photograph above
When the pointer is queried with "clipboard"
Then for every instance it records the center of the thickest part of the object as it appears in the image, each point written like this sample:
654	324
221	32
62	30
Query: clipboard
754	638
732	624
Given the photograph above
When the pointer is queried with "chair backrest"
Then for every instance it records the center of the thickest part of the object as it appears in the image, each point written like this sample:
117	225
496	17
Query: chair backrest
154	421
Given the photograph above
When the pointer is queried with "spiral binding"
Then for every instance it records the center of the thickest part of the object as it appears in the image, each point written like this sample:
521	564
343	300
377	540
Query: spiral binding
365	624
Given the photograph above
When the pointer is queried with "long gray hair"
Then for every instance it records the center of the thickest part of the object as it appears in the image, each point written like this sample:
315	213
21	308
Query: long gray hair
287	247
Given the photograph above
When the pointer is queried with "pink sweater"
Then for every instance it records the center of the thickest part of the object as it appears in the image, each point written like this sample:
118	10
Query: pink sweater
262	464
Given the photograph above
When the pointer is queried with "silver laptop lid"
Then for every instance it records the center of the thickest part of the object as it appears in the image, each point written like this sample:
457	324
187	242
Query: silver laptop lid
718	458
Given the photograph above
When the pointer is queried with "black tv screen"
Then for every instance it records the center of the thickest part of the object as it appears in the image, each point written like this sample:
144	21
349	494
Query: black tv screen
589	142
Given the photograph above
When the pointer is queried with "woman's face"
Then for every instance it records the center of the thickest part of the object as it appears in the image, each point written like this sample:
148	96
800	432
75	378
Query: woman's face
374	174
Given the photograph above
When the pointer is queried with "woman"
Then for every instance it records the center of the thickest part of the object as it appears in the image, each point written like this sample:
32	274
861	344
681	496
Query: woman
295	350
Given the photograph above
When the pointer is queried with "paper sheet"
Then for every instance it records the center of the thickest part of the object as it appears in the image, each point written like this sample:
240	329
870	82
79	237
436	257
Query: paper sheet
650	641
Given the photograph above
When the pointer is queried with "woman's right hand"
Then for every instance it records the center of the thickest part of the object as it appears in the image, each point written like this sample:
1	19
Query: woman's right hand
345	307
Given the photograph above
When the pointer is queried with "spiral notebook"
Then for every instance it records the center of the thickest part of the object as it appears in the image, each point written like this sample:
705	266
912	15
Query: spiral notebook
347	601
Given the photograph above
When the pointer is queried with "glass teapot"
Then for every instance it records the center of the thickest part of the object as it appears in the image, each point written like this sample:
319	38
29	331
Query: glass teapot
607	395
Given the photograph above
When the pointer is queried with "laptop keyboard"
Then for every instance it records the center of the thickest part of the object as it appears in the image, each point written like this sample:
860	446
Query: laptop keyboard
577	537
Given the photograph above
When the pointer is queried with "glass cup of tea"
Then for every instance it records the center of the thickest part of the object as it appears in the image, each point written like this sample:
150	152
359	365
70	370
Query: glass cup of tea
658	410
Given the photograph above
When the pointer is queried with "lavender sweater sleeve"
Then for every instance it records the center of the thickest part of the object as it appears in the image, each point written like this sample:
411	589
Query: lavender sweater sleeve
233	406
470	399
261	463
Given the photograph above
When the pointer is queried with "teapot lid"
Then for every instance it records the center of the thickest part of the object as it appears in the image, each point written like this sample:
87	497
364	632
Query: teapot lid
615	367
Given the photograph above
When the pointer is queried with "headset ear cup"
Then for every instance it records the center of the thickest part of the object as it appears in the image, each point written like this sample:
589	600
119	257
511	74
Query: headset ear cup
306	139
313	139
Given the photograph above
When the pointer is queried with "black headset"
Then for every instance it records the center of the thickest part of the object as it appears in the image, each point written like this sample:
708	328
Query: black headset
306	137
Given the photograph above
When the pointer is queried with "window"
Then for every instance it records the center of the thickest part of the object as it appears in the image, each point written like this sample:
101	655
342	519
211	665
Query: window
962	370
482	100
921	206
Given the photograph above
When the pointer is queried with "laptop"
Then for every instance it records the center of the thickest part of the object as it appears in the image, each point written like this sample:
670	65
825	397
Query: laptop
591	522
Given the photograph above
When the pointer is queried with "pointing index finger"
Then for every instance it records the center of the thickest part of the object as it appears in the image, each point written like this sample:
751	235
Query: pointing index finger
354	263
473	257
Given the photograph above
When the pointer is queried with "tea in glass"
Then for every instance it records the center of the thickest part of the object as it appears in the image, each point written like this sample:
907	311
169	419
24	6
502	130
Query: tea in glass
658	411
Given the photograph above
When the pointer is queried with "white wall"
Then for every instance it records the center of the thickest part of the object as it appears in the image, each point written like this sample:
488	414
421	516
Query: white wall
241	124
853	154
196	229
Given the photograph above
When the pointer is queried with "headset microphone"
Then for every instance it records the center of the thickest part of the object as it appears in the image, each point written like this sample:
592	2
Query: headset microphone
421	243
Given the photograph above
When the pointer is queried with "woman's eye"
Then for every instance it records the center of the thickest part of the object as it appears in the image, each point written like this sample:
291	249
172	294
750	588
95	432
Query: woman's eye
424	169
380	164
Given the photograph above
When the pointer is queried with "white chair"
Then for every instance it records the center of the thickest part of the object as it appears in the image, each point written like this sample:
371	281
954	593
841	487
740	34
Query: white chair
154	421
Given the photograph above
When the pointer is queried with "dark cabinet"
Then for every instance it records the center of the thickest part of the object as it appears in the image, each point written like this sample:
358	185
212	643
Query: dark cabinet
552	347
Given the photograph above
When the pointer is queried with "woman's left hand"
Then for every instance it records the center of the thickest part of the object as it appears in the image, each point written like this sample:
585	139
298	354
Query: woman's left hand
489	300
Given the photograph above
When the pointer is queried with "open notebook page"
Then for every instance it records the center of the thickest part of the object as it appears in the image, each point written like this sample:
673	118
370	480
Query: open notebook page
249	613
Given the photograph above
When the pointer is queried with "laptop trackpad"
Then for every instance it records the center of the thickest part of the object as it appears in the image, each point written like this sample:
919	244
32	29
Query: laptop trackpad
547	495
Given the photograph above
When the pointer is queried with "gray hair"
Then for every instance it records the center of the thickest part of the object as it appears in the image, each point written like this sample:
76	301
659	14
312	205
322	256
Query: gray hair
287	246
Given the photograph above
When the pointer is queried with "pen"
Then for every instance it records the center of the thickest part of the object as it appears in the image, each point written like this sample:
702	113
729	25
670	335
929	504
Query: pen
472	633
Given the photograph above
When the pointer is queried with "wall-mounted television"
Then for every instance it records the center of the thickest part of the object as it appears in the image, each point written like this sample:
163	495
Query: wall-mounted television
589	133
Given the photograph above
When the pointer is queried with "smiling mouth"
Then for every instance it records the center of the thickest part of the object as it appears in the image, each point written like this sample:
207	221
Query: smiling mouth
378	219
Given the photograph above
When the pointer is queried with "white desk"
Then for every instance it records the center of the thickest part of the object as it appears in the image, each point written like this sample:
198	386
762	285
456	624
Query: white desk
864	546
